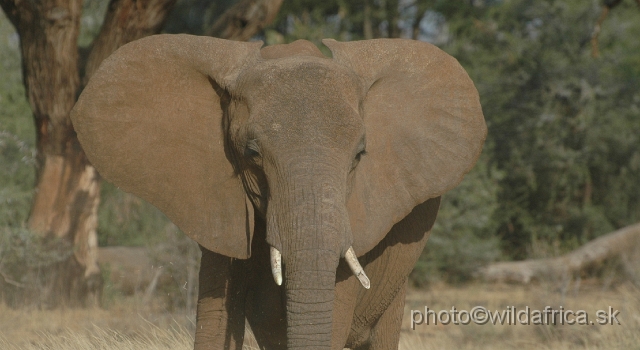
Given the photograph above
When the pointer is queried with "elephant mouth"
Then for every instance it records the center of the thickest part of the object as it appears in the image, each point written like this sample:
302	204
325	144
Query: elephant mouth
350	257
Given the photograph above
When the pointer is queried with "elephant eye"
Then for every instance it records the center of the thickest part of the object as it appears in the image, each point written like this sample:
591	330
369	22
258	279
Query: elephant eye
361	150
356	159
252	150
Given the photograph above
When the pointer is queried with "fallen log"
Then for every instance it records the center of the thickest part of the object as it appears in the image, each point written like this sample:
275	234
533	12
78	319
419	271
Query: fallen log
623	243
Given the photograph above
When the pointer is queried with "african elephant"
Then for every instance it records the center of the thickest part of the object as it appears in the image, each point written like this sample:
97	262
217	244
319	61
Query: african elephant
311	183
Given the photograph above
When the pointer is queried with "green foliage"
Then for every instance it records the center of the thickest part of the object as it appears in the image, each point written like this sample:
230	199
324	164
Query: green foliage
562	157
341	20
127	220
195	16
17	176
463	236
17	134
562	125
23	254
15	114
27	262
123	219
561	163
22	248
179	257
93	12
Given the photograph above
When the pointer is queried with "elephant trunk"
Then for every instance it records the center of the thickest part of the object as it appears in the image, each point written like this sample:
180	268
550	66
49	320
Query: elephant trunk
310	283
310	228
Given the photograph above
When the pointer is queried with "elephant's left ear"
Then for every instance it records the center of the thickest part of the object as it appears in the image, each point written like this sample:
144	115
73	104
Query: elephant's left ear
424	127
151	121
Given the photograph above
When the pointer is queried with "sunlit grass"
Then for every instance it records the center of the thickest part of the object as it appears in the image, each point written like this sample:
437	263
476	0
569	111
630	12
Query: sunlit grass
99	338
131	326
589	296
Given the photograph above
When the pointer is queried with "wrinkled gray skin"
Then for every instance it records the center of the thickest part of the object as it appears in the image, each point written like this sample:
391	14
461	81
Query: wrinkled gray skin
307	154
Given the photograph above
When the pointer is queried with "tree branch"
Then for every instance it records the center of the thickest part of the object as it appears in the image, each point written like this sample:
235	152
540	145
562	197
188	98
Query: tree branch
11	10
245	19
12	282
608	5
367	26
125	21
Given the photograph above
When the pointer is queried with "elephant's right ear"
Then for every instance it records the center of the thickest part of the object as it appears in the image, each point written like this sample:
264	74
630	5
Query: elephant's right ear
425	130
150	121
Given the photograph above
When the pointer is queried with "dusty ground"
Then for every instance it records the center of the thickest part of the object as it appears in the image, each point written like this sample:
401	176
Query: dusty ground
129	325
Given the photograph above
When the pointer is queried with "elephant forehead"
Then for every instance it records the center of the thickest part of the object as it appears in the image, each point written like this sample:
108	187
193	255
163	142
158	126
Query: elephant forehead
303	99
328	126
292	78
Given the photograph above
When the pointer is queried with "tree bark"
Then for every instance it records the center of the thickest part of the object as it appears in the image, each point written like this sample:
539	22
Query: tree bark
245	19
126	21
393	16
67	196
622	243
367	23
67	187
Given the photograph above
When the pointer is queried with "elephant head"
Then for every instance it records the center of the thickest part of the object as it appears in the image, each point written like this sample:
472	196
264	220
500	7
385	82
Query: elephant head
329	152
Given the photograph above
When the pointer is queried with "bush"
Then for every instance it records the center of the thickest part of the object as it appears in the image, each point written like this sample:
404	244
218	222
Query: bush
462	237
29	265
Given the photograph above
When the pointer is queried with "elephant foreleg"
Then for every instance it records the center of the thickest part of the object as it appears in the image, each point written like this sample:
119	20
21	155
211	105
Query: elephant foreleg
220	316
385	334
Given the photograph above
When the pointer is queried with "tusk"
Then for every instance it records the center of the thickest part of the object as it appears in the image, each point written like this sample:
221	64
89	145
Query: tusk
355	267
276	265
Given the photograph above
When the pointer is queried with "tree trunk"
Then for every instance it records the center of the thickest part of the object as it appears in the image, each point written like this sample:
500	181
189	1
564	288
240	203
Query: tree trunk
68	193
393	17
623	243
245	19
367	24
65	204
126	21
67	187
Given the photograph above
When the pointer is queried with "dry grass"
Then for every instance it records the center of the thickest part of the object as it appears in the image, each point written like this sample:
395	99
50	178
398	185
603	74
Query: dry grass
128	325
587	296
